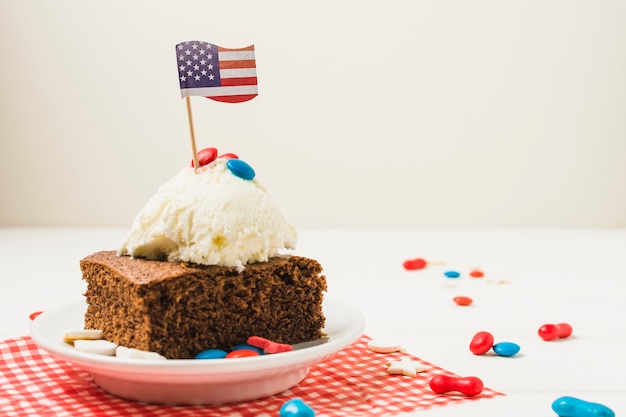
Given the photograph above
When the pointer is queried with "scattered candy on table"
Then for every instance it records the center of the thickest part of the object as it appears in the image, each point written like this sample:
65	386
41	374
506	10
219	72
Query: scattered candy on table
34	315
506	348
268	346
555	331
575	407
296	408
405	366
462	300
476	273
418	263
481	343
469	385
413	264
383	346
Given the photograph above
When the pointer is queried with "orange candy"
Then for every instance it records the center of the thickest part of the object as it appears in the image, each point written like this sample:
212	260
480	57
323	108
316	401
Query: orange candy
477	273
462	300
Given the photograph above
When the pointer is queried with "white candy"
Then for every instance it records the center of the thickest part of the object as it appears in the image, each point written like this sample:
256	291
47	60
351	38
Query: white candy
405	367
89	334
131	353
383	346
101	347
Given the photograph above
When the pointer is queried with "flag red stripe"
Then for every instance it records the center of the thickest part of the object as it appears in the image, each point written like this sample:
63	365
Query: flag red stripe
239	81
247	63
234	99
247	48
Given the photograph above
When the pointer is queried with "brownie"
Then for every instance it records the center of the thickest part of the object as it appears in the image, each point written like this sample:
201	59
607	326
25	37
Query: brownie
181	309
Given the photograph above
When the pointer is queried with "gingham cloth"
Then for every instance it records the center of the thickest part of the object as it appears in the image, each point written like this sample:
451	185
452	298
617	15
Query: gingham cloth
350	383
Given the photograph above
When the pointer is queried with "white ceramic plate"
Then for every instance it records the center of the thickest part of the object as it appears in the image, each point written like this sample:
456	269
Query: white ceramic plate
190	381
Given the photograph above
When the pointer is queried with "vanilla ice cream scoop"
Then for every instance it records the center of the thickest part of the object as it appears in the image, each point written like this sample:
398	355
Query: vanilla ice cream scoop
214	216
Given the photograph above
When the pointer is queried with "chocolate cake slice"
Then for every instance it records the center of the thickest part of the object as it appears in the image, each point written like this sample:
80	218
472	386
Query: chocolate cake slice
181	309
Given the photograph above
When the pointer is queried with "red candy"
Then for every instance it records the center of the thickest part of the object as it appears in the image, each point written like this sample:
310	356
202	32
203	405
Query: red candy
267	345
205	157
242	353
555	331
413	264
462	300
477	273
565	330
469	385
35	314
481	343
229	156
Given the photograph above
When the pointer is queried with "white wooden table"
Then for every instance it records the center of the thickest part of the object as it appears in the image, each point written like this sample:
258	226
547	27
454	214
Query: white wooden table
532	277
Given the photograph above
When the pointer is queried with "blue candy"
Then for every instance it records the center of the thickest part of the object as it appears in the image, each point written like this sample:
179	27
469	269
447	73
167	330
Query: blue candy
452	274
240	169
211	354
506	348
574	407
296	408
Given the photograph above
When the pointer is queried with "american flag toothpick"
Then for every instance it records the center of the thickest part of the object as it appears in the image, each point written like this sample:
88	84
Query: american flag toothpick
221	74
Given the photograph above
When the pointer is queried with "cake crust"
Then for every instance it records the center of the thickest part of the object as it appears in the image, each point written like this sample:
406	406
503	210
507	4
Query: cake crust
180	309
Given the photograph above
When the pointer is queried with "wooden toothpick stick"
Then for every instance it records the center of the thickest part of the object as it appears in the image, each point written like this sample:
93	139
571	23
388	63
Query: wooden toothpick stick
193	135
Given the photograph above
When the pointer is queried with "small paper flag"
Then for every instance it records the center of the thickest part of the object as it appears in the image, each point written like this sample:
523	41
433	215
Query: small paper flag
221	74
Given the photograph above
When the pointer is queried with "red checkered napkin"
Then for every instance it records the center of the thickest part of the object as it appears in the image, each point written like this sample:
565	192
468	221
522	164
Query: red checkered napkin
352	382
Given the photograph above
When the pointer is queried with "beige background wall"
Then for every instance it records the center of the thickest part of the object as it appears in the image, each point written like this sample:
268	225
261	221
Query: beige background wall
402	113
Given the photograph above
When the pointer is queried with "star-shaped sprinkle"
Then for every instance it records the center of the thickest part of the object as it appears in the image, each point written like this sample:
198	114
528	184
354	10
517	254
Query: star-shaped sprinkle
405	367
